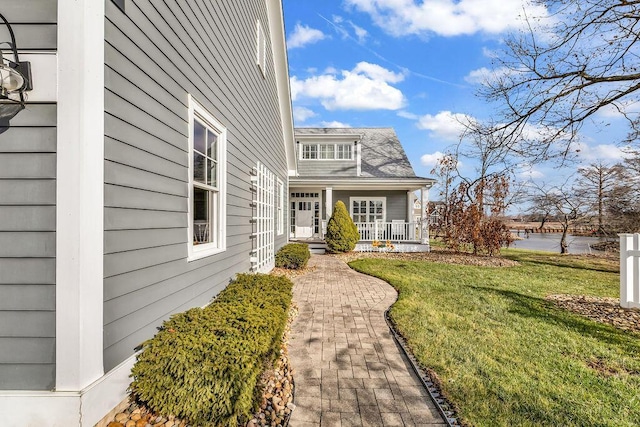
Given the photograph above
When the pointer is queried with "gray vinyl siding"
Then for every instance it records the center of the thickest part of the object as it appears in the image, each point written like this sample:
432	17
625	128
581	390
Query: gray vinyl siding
155	55
28	218
396	204
327	167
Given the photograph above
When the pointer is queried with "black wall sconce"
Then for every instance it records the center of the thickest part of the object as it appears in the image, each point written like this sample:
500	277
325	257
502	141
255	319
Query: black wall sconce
15	80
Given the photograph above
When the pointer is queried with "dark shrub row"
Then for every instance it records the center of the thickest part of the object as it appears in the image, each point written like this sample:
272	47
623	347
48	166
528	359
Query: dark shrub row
203	365
293	256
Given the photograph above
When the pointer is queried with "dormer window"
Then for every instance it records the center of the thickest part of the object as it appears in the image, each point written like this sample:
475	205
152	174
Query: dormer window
327	152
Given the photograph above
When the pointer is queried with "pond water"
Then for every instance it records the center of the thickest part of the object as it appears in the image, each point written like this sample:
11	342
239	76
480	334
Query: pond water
551	242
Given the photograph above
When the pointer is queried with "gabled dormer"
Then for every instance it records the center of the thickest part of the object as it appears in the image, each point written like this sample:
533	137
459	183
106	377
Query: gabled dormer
334	154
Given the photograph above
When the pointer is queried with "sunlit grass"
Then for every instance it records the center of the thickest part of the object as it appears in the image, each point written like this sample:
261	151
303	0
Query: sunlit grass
504	354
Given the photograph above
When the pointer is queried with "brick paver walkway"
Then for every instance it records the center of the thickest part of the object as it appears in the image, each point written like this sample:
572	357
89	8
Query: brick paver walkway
348	369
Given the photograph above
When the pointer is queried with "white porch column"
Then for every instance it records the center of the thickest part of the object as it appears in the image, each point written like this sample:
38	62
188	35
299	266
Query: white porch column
79	194
329	202
424	219
409	206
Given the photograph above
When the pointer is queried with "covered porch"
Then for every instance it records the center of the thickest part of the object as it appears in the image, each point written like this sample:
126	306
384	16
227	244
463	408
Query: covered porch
385	213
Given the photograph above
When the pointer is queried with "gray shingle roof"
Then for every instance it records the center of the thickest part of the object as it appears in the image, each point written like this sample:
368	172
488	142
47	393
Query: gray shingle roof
382	153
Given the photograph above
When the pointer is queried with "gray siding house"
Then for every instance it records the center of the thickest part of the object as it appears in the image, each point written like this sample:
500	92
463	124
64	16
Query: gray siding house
149	166
368	170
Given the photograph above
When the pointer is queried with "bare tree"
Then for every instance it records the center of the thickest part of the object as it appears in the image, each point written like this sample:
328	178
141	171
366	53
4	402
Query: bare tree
624	204
486	145
561	200
597	185
565	68
540	210
446	171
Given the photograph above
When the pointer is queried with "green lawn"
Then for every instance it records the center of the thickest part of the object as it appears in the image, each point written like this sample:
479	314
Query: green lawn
507	357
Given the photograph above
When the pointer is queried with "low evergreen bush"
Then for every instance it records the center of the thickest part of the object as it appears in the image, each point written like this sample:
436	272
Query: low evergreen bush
293	256
342	234
204	364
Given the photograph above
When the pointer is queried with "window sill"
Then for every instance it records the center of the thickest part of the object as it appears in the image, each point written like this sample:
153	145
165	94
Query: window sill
196	254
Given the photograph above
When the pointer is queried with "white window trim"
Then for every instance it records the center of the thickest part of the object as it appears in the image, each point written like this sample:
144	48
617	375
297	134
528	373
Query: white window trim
280	208
370	199
220	245
318	156
261	49
263	259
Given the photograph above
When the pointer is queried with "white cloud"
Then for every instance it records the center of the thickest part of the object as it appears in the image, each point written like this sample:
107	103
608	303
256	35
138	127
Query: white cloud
431	160
529	172
445	125
334	124
303	35
366	87
361	33
377	72
301	114
607	153
407	115
484	74
448	17
619	109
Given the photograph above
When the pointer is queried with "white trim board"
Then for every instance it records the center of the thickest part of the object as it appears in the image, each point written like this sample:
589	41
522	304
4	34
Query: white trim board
64	409
80	194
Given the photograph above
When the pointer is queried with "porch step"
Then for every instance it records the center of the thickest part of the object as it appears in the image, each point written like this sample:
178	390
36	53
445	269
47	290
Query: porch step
317	248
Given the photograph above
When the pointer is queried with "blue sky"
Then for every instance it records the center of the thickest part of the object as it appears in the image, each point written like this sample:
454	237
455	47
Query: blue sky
411	65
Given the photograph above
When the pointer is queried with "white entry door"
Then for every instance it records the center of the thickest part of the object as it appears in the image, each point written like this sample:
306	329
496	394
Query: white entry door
305	215
304	220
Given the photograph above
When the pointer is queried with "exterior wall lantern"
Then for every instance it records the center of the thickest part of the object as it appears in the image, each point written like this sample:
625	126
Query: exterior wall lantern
15	80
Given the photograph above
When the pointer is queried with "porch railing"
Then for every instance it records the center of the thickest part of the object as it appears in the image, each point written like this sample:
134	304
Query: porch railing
395	231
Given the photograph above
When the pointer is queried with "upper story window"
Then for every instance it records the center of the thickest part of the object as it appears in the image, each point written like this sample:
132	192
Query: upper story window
309	151
344	151
207	189
327	151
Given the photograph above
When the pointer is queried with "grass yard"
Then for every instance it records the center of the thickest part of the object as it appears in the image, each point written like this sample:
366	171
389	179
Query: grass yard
505	355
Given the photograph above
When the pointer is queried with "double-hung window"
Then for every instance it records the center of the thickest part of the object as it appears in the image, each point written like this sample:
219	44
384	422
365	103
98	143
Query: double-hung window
343	152
207	179
368	209
327	151
309	151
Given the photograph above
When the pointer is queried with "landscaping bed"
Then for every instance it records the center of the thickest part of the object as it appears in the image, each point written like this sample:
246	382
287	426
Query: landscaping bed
216	365
441	256
277	396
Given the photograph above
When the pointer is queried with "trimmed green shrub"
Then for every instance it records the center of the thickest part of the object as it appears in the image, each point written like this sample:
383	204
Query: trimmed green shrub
204	364
342	234
293	255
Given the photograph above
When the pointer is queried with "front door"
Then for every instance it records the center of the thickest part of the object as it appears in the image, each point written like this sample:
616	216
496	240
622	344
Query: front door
305	215
304	220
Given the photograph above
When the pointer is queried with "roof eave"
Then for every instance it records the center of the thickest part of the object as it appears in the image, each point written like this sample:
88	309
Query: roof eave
346	183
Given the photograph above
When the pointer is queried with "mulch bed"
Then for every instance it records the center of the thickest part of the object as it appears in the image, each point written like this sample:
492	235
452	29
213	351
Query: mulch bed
446	257
601	309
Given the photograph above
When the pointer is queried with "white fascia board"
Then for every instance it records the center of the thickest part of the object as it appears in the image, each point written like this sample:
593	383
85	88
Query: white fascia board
372	184
80	194
333	137
281	66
